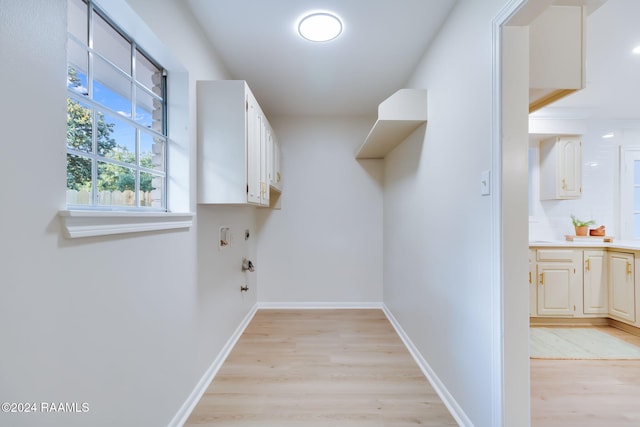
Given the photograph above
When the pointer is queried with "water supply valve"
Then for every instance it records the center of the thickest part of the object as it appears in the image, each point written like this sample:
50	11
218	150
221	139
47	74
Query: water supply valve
247	265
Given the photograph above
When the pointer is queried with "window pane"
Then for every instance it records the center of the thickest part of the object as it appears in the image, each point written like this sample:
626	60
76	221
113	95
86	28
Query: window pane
111	88
110	44
78	179
148	110
77	67
116	185
113	158
151	151
636	171
151	190
77	19
116	139
148	74
79	126
636	226
636	199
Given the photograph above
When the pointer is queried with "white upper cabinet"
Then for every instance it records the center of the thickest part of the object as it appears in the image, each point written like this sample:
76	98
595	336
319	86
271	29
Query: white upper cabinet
234	153
557	54
561	168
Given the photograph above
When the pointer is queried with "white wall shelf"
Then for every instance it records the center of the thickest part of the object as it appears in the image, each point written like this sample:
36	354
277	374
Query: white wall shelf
398	116
77	223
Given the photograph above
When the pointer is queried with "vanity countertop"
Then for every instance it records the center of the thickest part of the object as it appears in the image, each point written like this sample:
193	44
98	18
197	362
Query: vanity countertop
616	244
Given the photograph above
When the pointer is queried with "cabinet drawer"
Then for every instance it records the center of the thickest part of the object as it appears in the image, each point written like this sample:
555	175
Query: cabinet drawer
555	255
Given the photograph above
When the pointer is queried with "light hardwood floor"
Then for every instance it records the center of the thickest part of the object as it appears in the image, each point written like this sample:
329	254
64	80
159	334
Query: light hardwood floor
586	393
306	368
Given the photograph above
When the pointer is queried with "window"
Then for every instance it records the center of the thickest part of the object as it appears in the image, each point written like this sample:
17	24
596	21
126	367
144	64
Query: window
630	192
116	117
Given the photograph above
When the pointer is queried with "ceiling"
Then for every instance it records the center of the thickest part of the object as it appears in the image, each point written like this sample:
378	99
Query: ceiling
612	71
382	42
381	45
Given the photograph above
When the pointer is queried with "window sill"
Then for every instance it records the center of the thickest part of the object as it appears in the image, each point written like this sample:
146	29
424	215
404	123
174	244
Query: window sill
78	223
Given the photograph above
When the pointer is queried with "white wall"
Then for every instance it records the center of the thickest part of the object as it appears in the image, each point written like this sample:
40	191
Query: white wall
325	244
438	236
128	324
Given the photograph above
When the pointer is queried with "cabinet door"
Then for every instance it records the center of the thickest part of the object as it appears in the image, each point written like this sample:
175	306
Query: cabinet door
265	135
555	284
596	290
569	167
561	168
621	286
274	162
533	302
254	130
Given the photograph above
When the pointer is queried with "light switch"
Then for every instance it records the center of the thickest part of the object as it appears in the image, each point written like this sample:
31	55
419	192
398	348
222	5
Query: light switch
485	183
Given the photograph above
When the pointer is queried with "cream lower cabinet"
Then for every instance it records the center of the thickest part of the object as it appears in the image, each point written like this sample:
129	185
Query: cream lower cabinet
622	286
533	309
587	283
558	282
595	282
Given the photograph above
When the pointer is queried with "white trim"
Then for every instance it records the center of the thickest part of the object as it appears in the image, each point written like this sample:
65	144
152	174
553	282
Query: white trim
102	223
497	329
319	305
454	408
187	407
498	338
627	154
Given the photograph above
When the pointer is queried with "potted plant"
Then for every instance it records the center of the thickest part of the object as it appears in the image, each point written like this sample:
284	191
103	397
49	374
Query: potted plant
582	227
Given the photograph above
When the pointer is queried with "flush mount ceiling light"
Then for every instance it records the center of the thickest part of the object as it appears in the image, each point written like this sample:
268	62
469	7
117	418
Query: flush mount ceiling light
636	50
320	27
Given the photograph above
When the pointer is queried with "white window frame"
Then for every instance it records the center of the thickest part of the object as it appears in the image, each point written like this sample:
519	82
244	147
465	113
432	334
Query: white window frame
158	123
628	155
180	205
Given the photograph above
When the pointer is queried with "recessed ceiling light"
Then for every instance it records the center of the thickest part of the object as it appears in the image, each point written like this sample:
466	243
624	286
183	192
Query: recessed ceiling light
608	135
320	27
636	50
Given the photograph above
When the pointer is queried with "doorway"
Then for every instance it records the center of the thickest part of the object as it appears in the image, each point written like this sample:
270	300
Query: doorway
511	28
511	160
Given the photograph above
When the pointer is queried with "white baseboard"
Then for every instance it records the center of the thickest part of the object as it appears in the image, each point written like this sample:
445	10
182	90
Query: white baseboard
185	410
319	305
446	397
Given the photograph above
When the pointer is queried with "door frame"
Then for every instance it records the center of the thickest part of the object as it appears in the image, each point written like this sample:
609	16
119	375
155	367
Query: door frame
510	316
